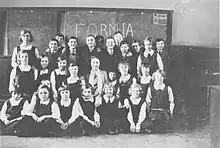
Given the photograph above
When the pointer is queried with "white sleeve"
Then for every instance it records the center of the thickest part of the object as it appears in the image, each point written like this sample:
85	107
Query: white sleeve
148	97
12	80
3	112
159	62
14	58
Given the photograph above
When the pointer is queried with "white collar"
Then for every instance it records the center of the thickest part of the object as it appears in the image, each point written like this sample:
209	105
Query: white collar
59	72
124	79
44	71
15	102
114	82
110	51
145	80
127	54
45	102
65	103
146	52
136	101
27	68
95	72
91	99
109	99
161	86
70	80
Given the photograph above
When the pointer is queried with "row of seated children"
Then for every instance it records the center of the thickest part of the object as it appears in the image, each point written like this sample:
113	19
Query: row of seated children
105	114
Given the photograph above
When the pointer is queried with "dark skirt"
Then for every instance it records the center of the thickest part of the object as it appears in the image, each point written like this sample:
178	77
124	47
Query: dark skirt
8	129
28	127
157	121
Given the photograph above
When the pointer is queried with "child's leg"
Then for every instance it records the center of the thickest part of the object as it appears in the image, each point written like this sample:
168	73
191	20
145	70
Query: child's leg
26	127
51	127
10	128
87	129
74	128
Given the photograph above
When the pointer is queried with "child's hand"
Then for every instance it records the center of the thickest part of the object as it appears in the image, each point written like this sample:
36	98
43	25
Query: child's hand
132	127
6	122
35	117
40	119
126	104
97	124
93	123
138	128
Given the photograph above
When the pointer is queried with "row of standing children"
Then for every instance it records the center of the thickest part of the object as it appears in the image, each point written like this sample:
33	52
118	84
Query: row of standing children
73	81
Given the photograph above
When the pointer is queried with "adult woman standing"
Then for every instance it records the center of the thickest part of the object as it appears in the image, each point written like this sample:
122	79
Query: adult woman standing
26	39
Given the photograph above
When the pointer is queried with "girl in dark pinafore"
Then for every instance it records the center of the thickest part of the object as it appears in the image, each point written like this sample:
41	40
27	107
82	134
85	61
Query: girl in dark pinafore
24	76
145	80
11	112
110	110
149	56
67	113
125	81
26	39
58	75
87	119
44	71
73	82
161	101
137	109
41	117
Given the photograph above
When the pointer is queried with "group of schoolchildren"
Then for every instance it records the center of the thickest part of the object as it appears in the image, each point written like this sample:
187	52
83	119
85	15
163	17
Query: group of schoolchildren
104	87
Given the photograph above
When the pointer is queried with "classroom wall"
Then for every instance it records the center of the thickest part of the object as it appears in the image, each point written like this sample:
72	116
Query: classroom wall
195	22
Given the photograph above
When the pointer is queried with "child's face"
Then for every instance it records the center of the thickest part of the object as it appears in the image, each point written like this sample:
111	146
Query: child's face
46	82
90	41
124	69
124	48
72	43
159	77
147	45
118	38
136	47
26	37
95	63
43	94
24	58
110	43
73	70
87	92
135	92
112	76
65	95
16	96
62	64
160	45
44	62
60	39
109	91
145	70
53	46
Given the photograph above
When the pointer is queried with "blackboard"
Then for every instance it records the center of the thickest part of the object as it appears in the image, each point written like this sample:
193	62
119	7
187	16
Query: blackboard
134	24
42	23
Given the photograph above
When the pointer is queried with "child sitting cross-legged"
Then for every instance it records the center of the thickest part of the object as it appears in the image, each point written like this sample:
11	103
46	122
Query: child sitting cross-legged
110	110
11	112
41	115
85	117
137	108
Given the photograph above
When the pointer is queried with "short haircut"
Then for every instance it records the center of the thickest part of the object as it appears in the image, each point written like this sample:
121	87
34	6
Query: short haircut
109	85
59	35
160	72
73	37
123	63
24	31
55	40
134	86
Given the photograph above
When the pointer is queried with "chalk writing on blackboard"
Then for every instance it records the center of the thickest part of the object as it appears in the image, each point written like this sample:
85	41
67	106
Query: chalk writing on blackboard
104	29
159	19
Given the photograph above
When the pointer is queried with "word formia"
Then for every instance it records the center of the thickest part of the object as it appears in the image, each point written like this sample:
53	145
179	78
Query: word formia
103	29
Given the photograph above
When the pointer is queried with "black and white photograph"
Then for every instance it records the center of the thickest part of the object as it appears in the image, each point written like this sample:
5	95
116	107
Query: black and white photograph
109	74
